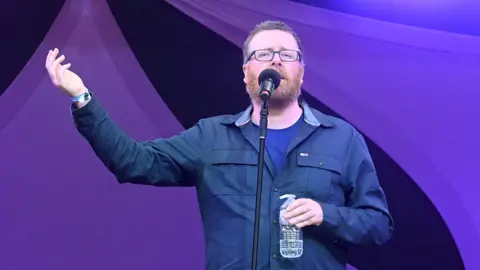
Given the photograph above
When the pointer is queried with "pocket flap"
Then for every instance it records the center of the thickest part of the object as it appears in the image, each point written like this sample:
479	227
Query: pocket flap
233	156
320	161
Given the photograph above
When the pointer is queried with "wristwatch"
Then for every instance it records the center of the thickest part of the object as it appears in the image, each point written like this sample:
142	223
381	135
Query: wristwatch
83	97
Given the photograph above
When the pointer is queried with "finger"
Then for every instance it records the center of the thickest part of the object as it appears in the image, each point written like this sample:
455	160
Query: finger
306	223
302	218
297	211
64	68
52	54
57	69
55	75
296	203
59	60
59	73
48	59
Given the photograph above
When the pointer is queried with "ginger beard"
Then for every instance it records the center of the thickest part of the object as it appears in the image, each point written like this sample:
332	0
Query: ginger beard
285	94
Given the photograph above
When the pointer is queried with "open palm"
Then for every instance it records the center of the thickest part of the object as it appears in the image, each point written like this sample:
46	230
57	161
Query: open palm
61	76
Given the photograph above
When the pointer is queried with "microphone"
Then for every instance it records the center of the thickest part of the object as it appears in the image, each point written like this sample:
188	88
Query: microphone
269	80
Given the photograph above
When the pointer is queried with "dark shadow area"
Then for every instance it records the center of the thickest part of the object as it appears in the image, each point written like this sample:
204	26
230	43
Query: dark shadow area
198	74
24	25
461	16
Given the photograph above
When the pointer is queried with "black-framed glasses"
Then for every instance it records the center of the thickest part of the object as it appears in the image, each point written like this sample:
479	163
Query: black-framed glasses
266	55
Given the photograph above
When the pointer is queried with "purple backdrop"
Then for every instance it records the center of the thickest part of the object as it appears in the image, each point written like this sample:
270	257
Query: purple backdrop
60	208
410	90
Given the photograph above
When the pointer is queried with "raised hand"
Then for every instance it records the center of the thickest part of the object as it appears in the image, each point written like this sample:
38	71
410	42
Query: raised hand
61	75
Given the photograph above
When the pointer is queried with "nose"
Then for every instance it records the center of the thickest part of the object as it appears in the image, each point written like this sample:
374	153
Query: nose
276	61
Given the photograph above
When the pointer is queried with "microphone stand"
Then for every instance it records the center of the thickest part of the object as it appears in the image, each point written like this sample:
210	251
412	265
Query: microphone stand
261	161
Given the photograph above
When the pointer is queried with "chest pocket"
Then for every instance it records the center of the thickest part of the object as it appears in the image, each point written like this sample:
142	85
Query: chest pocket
231	172
323	175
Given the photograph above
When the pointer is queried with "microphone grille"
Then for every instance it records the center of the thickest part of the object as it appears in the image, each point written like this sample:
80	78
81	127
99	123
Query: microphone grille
270	75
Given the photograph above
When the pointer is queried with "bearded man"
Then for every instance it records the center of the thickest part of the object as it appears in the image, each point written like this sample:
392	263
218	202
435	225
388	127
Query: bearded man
321	159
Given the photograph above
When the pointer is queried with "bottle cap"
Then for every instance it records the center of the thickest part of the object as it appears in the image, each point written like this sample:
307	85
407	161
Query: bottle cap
285	196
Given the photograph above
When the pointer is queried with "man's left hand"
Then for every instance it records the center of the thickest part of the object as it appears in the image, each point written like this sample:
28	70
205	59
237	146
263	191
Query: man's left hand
304	212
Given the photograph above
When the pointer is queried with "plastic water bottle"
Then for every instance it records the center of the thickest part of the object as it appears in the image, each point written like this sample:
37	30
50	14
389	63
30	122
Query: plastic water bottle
291	238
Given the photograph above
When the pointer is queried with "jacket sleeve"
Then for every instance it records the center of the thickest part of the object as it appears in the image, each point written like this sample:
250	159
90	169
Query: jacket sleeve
161	162
364	219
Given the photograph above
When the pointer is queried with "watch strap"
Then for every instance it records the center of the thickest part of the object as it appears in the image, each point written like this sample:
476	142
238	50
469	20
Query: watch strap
83	97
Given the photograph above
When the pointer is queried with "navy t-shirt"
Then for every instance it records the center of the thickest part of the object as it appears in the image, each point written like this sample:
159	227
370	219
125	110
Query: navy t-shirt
278	141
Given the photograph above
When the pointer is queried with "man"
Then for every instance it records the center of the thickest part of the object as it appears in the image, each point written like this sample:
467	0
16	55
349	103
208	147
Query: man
321	159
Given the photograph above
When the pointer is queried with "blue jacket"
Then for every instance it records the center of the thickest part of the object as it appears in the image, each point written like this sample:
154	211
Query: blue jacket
328	162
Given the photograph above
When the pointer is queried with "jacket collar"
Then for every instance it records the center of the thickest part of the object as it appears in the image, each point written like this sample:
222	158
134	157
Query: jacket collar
310	116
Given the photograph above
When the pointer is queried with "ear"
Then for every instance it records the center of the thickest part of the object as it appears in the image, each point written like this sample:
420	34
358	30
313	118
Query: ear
244	67
302	72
